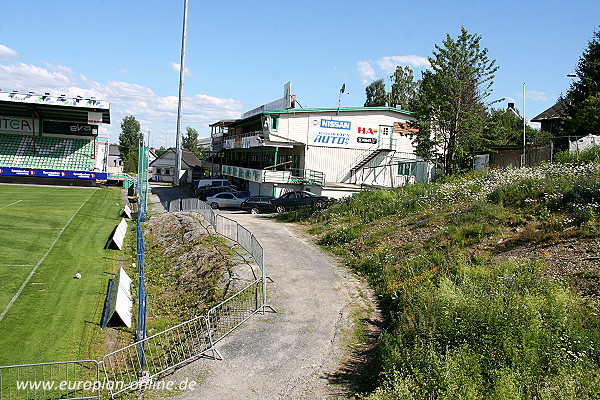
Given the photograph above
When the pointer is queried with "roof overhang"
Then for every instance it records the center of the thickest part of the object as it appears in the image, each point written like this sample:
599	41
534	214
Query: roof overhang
51	108
341	110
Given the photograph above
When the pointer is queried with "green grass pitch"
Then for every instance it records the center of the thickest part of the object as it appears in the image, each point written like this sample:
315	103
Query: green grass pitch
47	235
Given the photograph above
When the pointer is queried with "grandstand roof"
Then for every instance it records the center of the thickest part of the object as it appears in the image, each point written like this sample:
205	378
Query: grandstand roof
51	108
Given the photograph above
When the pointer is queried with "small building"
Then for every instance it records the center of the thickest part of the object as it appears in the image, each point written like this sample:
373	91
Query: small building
163	167
114	163
332	151
552	119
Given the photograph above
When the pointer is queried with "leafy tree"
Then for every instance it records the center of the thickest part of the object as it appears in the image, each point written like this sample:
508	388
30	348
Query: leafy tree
583	94
587	117
376	94
190	141
160	151
404	88
505	127
452	101
129	142
588	73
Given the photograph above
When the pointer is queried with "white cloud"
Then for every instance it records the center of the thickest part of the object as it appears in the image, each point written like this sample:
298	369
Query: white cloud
155	113
59	68
366	71
6	53
28	77
175	67
388	64
537	95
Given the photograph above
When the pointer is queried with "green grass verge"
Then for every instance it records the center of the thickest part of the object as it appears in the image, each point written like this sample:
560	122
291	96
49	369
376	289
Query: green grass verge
466	318
62	231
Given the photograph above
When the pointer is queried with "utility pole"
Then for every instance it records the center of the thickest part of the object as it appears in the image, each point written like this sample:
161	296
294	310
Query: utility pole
180	103
524	124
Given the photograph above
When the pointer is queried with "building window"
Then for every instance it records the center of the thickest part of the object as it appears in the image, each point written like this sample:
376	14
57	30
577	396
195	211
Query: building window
407	168
385	129
274	122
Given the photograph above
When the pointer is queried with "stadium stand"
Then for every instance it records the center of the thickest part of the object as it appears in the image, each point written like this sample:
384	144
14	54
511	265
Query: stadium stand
21	151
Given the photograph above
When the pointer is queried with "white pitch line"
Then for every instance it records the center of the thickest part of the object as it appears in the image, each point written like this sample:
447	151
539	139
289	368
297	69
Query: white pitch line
18	201
29	227
16	296
17	265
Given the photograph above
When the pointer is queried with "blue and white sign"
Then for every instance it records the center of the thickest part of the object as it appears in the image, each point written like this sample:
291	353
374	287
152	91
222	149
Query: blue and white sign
345	132
335	124
51	173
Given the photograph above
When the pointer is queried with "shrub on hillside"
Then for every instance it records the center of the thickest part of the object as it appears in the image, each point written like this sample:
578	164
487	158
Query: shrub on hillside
579	157
489	332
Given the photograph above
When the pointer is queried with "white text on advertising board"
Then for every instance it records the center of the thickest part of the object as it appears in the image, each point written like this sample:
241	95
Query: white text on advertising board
332	123
332	138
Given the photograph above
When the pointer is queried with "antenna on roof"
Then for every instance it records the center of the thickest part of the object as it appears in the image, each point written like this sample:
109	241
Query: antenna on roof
342	91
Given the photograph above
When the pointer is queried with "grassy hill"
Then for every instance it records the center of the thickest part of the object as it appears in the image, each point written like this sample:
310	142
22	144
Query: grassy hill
489	282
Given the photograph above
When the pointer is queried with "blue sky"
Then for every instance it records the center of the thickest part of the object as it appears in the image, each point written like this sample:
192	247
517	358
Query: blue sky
241	53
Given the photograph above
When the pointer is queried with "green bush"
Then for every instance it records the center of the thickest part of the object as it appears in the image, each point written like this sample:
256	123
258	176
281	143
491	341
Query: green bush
490	332
579	157
460	325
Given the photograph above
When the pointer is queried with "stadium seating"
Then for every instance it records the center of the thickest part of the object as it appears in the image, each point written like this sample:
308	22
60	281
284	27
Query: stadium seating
48	153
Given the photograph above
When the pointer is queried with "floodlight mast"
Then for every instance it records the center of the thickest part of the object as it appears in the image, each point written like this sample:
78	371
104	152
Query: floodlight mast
524	123
180	103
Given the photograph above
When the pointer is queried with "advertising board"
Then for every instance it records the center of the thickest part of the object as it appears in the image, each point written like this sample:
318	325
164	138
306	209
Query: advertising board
51	173
345	132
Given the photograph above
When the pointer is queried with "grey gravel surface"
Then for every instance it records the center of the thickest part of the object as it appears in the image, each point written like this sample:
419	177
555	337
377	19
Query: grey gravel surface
297	352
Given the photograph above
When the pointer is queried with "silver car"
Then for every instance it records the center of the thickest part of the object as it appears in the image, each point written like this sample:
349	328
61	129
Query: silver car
226	200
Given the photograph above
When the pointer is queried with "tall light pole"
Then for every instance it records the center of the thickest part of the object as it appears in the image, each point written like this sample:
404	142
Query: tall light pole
524	125
180	103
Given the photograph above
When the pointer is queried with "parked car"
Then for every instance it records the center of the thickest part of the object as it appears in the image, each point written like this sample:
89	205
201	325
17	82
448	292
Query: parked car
204	192
299	199
257	204
226	200
211	182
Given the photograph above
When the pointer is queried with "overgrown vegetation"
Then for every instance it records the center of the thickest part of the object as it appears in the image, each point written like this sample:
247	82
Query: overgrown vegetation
580	156
480	278
185	270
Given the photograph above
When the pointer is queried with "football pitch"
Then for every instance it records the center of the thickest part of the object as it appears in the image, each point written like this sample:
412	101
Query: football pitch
47	235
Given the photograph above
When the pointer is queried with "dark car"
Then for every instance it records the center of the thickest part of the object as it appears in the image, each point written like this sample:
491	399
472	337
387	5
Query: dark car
257	204
299	199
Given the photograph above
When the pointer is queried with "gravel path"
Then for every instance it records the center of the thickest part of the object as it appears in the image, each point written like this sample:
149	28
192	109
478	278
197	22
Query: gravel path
298	352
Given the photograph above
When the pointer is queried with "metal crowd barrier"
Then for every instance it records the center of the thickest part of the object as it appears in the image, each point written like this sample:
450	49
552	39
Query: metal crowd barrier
134	366
231	313
228	228
126	368
54	380
222	225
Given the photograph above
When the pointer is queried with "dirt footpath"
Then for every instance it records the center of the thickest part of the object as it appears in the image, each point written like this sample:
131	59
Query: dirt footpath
300	352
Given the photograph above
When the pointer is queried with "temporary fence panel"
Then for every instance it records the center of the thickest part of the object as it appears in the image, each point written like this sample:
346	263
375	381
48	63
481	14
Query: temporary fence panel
228	228
133	368
231	313
55	380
